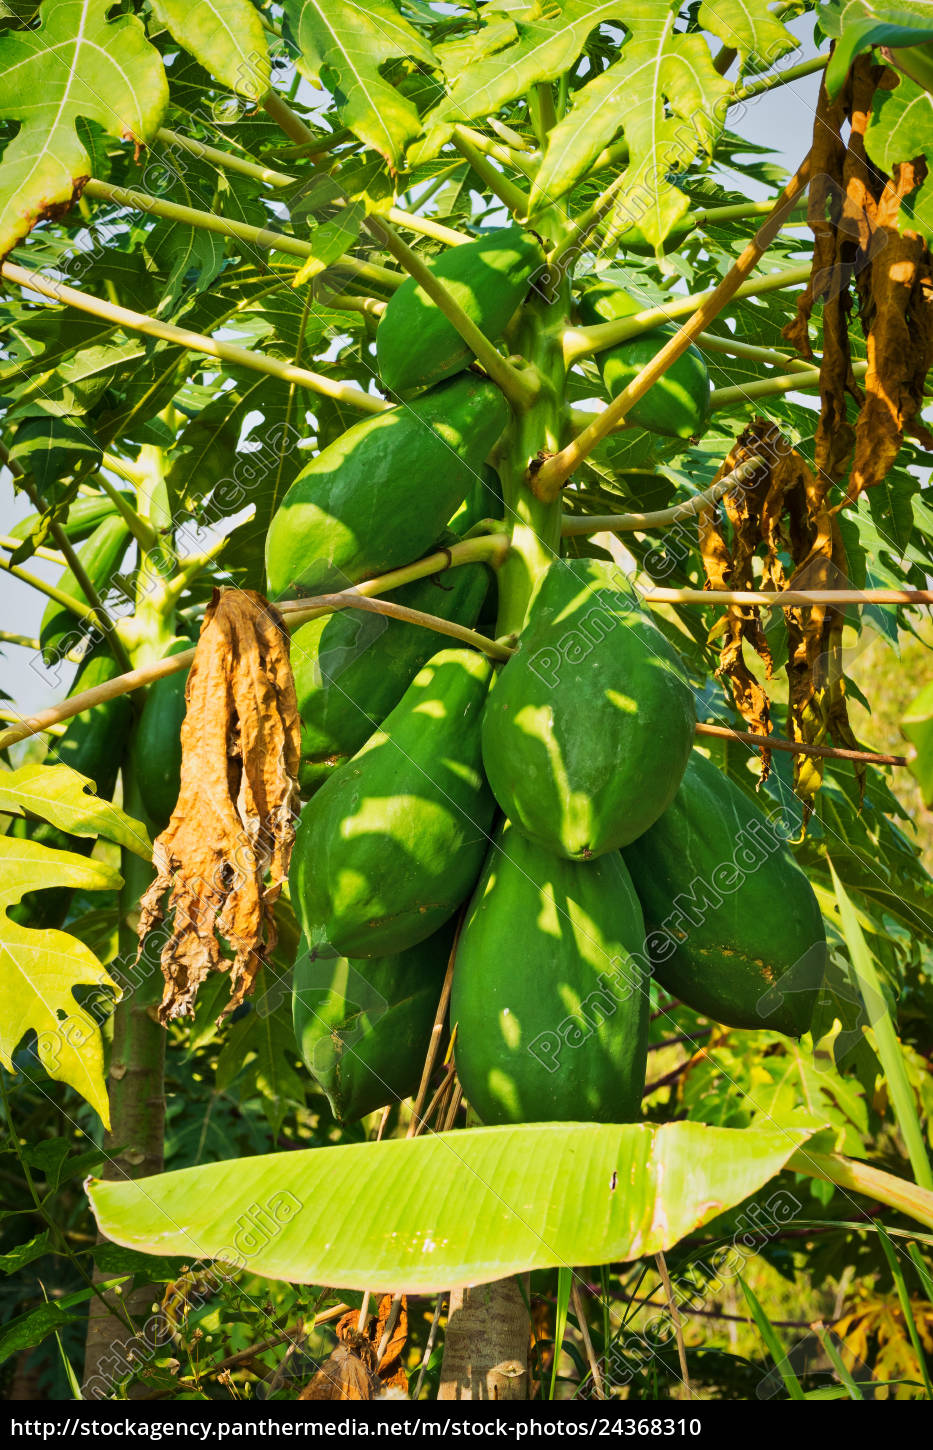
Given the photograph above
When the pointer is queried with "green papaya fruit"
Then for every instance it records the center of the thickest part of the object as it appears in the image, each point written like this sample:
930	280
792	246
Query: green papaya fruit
352	668
484	501
157	742
550	989
590	724
363	1027
416	346
734	929
100	555
93	745
677	405
392	843
381	494
84	514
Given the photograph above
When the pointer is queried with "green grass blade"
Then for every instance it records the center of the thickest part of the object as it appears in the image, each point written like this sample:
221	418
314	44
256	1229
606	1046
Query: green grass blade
903	1295
774	1346
889	1048
837	1362
564	1283
923	1272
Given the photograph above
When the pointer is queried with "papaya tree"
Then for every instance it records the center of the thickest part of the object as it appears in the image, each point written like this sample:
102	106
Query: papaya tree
460	914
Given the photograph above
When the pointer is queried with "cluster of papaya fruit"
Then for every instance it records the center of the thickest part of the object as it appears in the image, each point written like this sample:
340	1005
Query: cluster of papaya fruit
558	809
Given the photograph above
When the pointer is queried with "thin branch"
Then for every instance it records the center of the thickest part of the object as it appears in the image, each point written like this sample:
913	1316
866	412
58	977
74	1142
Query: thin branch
51	556
77	606
345	600
732	347
511	196
228	352
519	387
263	238
225	160
783	78
429	1346
145	535
788	598
434	1046
79	573
677	1323
488	548
279	111
229	161
660	518
797	747
554	472
772	387
525	161
580	341
584	1328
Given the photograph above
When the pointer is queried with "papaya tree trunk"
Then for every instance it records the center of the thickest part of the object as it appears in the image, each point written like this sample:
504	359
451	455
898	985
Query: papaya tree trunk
116	1335
486	1344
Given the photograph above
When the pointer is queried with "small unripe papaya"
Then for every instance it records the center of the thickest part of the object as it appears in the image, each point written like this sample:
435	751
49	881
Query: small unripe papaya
416	346
351	668
677	405
363	1027
380	495
392	843
157	743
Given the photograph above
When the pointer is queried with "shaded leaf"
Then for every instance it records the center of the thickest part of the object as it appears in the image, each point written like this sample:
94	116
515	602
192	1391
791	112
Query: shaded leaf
23	1254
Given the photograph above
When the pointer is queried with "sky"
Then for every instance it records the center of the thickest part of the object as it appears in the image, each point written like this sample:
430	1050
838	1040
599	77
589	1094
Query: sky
782	119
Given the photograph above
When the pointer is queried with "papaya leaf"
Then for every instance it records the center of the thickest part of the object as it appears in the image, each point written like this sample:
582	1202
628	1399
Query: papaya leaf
344	45
670	101
417	1212
754	30
226	36
48	449
545	45
901	129
857	25
40	969
58	794
330	241
76	63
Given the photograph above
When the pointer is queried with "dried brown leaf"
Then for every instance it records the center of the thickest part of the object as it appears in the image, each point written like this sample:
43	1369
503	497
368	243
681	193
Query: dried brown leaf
730	567
344	1375
784	509
853	213
351	1371
234	820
